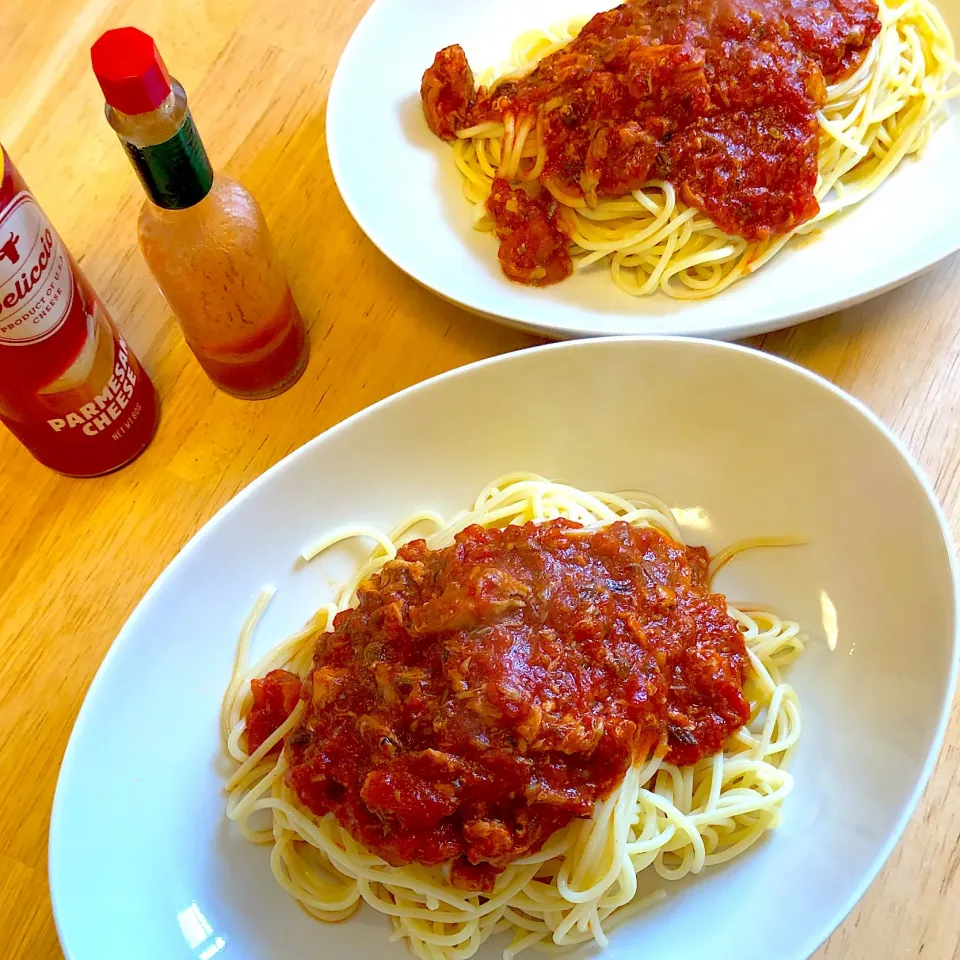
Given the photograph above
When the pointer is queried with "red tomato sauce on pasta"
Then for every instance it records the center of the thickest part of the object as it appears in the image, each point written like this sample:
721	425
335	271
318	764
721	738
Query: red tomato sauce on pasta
274	699
481	696
718	97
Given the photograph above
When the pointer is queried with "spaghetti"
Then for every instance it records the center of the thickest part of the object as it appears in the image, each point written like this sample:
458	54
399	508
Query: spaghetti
662	820
685	229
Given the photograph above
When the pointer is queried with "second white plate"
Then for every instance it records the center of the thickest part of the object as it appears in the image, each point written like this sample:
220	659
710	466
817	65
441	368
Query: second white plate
401	185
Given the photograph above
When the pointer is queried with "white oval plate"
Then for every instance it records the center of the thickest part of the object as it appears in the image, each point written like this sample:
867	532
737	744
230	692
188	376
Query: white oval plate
401	185
142	861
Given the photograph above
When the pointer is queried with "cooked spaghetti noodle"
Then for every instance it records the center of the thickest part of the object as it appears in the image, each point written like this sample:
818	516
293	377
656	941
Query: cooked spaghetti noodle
662	820
650	238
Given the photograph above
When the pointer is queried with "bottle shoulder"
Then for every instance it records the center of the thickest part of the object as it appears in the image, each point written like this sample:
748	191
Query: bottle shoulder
228	210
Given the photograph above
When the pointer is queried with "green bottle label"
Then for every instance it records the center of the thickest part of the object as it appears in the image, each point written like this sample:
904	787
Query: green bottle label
176	173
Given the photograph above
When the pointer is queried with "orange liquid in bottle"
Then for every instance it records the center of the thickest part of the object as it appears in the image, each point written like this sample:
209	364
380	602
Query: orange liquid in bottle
264	363
217	267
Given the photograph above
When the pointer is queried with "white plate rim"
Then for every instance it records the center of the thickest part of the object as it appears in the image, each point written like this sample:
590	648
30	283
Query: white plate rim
816	939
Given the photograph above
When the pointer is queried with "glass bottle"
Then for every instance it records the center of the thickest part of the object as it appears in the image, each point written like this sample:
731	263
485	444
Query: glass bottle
202	234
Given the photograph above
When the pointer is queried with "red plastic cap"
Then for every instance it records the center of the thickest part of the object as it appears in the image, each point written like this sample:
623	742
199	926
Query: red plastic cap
130	70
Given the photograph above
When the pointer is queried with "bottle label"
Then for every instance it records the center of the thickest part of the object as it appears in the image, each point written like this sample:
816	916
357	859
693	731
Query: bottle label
176	173
70	389
36	282
105	405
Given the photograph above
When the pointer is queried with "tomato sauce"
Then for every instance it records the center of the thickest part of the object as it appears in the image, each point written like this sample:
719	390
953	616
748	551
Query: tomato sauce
533	248
718	97
481	696
274	699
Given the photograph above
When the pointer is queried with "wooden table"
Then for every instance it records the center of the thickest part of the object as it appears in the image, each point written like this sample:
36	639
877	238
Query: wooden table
76	556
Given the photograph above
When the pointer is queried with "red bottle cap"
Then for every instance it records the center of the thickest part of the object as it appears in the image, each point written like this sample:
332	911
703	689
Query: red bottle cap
130	70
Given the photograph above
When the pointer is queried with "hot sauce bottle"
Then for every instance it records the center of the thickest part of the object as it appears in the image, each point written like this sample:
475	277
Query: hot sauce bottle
202	234
70	388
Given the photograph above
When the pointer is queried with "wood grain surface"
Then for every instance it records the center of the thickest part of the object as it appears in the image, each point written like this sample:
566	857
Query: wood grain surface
76	556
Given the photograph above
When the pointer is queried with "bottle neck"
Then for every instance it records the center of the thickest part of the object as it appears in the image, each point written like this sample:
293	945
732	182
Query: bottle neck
166	151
